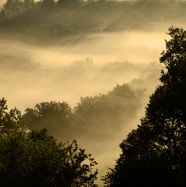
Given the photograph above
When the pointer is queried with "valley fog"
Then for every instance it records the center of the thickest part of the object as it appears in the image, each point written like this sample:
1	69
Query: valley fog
84	69
31	74
34	74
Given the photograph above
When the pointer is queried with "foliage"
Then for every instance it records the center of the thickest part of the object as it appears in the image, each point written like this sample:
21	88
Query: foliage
9	120
54	31
107	112
13	8
68	4
92	117
161	134
57	117
40	20
36	159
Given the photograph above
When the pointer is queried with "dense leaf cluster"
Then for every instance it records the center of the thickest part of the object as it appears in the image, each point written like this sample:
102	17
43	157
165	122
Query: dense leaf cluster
32	158
91	118
51	20
9	120
107	113
54	116
155	152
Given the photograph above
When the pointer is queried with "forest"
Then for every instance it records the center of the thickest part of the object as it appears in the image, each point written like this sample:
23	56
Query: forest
153	153
68	112
50	21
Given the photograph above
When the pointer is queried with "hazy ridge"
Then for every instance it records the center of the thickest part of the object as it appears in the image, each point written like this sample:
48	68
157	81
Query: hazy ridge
87	52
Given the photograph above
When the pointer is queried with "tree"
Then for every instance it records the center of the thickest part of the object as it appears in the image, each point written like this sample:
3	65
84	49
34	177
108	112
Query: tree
101	115
68	4
57	117
13	8
36	159
11	120
162	132
140	161
50	4
165	116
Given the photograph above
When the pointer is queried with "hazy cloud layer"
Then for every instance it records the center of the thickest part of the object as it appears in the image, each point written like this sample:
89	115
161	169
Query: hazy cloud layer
32	74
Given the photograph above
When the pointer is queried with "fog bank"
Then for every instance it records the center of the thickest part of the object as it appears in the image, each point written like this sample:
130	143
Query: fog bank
33	74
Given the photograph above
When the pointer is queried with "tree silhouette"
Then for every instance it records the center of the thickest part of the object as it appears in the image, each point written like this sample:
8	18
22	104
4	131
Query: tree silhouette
68	4
36	159
57	117
105	113
9	120
160	139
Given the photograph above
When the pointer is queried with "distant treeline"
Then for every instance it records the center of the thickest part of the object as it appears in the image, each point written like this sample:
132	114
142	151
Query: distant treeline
31	157
153	153
57	19
93	118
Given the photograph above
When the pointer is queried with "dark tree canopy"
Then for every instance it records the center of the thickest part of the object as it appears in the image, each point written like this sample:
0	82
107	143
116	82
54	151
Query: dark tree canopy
165	116
159	142
92	118
68	4
57	117
36	159
103	114
9	120
32	158
47	21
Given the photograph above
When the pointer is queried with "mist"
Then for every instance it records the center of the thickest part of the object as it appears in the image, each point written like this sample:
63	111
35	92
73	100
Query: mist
39	74
32	74
86	65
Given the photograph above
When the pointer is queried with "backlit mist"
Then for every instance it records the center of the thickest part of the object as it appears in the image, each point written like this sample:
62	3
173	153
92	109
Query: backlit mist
34	71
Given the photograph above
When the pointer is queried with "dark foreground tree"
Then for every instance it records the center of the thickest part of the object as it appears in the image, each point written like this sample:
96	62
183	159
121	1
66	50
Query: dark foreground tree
9	120
36	159
160	140
141	165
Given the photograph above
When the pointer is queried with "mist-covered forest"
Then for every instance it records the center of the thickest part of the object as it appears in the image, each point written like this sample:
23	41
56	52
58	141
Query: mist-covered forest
91	85
69	21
